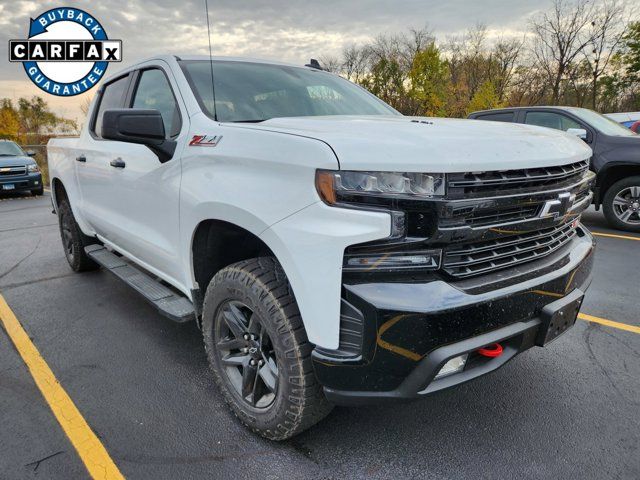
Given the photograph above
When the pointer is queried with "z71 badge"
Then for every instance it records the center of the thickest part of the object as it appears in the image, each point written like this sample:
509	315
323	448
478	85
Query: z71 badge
205	140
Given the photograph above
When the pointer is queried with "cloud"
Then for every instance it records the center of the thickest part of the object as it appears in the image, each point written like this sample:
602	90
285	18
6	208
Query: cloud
288	30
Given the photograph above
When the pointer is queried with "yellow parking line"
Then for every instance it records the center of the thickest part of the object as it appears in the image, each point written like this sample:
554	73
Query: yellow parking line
611	235
91	451
609	323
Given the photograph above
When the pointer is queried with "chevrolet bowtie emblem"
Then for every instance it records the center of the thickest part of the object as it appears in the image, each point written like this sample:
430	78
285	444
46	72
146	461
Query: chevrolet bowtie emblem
559	207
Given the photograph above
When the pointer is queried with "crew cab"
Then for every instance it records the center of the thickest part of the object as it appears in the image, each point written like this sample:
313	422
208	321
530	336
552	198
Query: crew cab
331	250
616	155
18	171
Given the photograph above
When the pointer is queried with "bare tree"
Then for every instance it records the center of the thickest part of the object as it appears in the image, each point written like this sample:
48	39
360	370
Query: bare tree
331	63
505	55
355	62
604	34
414	42
559	37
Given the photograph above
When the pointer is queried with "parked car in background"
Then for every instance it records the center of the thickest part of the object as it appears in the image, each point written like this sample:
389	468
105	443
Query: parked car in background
18	171
616	155
627	118
635	127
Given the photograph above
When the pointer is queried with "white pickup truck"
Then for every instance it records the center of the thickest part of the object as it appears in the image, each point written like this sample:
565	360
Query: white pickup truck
332	250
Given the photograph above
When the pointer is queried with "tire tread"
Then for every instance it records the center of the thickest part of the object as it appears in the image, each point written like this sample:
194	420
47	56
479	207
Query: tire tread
307	404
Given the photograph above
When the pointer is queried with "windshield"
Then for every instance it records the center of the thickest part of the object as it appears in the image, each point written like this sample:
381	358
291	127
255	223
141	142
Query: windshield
10	149
253	92
601	123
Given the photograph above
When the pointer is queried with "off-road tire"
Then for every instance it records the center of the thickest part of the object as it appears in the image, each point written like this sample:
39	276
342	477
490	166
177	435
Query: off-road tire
261	284
74	245
608	208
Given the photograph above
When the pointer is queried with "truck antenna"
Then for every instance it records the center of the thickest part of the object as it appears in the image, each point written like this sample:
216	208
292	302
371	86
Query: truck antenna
213	87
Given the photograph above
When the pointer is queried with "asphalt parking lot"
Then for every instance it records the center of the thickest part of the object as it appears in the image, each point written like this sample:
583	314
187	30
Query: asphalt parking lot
571	410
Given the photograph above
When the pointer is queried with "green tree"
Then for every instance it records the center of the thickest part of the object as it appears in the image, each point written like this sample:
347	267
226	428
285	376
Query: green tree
386	81
37	119
9	121
631	56
430	84
485	98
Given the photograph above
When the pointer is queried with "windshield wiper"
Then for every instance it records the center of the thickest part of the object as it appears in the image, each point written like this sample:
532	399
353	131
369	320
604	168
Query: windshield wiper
250	121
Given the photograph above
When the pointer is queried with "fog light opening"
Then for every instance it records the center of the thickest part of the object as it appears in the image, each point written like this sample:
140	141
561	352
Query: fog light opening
454	365
491	351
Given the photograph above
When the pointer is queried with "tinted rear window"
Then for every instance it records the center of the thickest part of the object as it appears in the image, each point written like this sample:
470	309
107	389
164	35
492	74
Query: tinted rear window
497	117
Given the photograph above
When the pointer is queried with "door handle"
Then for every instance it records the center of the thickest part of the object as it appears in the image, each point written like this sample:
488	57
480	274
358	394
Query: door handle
117	163
81	159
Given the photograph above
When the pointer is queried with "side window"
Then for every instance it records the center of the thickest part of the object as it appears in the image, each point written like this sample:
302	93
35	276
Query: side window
112	97
154	92
497	117
551	120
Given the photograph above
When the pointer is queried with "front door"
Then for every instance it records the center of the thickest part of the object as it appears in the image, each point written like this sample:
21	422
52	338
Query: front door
141	201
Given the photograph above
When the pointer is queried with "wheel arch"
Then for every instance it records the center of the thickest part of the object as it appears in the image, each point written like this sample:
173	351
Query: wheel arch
611	174
217	244
58	192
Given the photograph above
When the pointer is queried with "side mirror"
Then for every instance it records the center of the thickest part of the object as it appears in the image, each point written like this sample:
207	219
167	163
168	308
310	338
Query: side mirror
578	132
30	153
144	127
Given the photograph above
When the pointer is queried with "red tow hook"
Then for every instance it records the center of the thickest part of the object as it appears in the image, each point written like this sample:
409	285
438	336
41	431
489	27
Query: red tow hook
491	351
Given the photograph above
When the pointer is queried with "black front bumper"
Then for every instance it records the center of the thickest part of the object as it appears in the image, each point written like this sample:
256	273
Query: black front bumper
409	330
21	183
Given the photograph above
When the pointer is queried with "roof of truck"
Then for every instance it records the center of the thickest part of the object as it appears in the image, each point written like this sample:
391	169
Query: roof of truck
169	58
172	58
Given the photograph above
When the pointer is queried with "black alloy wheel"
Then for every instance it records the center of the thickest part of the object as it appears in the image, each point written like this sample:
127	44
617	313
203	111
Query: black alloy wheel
258	349
246	351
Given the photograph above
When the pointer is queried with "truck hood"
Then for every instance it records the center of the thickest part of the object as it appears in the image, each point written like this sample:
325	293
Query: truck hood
15	160
414	144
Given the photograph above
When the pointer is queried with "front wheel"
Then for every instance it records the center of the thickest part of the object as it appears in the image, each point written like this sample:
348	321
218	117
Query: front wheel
258	350
621	204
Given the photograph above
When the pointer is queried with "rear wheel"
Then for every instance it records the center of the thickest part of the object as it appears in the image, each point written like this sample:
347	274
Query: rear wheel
73	240
621	204
258	350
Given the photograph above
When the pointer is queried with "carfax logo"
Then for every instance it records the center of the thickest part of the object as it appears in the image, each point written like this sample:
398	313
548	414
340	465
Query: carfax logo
67	51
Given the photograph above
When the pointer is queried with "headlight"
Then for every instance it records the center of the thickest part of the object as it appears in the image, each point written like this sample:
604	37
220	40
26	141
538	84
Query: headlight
33	168
334	186
392	261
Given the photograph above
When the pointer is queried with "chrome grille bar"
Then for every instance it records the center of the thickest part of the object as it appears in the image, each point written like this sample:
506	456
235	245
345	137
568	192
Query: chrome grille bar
484	257
13	170
509	179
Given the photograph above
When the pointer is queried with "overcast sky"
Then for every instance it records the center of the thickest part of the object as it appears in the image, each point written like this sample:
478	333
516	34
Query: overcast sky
289	30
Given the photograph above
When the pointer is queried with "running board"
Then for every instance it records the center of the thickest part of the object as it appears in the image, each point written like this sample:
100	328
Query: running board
170	304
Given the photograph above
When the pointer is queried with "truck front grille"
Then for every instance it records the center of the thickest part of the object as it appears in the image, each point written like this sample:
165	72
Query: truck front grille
13	171
503	182
494	216
483	257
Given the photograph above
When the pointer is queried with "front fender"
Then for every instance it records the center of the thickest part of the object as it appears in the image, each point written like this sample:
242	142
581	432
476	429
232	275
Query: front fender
310	246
